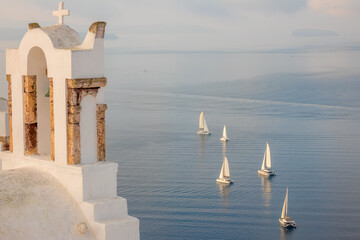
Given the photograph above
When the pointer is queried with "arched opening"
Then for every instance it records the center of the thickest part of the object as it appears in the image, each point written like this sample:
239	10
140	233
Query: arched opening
88	132
37	66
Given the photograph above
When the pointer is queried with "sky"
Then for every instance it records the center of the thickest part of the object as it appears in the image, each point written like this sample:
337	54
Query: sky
195	25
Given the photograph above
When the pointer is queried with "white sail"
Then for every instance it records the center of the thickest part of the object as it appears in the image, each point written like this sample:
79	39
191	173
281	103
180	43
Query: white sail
222	171
268	157
224	132
263	163
287	202
226	167
201	120
206	129
285	206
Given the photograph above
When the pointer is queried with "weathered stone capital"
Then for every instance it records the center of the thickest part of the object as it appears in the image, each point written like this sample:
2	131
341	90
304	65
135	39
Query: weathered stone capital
4	139
86	82
74	109
6	142
98	28
101	108
74	118
33	26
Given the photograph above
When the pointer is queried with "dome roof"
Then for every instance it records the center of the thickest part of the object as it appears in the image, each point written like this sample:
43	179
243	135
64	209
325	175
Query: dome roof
62	36
34	205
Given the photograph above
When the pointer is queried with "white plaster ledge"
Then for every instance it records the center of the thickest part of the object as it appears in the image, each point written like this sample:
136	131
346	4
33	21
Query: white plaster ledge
84	181
126	228
106	209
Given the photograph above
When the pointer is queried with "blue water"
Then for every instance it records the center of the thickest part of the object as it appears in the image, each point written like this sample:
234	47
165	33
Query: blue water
306	105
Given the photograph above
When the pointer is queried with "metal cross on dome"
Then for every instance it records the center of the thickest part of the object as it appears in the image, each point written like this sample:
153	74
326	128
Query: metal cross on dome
61	13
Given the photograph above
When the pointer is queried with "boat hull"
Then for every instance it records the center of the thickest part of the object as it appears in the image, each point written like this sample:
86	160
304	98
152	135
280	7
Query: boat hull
224	181
287	223
224	139
267	172
202	132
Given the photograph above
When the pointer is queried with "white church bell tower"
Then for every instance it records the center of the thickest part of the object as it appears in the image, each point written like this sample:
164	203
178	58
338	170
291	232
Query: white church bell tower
56	115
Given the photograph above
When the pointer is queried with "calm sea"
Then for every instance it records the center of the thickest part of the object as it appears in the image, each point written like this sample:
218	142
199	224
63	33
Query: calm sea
306	105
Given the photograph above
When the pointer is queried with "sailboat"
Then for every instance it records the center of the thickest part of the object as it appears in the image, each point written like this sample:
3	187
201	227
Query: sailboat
286	221
203	128
224	176
266	164
224	138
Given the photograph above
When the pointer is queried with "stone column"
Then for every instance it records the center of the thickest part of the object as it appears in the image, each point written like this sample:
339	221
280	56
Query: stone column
51	90
100	125
8	79
77	89
73	127
30	118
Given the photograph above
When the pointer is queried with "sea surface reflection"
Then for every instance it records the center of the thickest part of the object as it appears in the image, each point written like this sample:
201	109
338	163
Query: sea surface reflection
167	172
224	193
286	233
266	189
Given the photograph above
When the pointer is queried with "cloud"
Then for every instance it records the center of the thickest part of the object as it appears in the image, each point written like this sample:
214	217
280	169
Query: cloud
16	34
165	29
213	8
195	24
22	10
312	32
331	7
283	6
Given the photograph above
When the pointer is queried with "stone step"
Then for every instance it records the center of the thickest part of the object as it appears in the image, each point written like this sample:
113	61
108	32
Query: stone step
126	228
106	209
